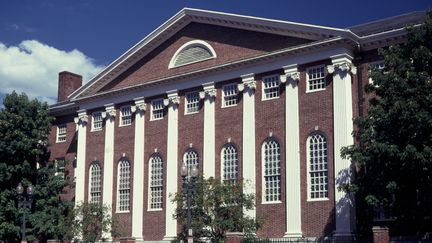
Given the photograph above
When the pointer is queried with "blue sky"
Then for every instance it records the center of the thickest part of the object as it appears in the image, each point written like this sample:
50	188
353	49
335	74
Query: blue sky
40	38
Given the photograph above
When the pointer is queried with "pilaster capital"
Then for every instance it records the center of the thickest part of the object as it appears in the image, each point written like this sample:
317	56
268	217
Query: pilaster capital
248	82
291	74
173	98
140	105
82	118
341	64
110	111
209	91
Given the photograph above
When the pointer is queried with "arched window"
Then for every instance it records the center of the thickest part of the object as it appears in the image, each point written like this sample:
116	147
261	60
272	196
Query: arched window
95	183
123	185
317	167
229	163
271	160
156	182
192	52
190	159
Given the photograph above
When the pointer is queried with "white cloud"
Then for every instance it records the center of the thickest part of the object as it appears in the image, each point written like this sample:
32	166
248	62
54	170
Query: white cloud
32	67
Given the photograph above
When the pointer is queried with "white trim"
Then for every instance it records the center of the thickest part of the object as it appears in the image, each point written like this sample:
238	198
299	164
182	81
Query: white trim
81	158
187	102
64	135
187	45
138	172
121	116
308	172
235	85
208	163
248	138
93	129
152	109
150	175
263	175
172	164
263	96
292	154
118	186
342	127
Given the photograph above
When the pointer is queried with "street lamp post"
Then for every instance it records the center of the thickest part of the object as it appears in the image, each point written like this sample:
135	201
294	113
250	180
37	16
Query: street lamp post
24	201
189	185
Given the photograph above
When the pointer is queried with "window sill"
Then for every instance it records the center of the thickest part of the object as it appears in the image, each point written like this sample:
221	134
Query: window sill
96	130
156	119
273	98
318	199
192	113
125	125
228	106
155	210
315	90
272	202
61	141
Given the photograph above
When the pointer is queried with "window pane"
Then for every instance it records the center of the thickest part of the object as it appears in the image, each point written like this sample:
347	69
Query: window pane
318	172
272	171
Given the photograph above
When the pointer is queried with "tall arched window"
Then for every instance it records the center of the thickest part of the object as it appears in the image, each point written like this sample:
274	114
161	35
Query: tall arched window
192	52
229	163
271	161
123	185
156	182
190	159
95	183
317	167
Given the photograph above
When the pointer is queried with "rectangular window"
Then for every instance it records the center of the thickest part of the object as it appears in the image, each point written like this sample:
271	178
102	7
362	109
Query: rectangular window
97	121
271	87
378	65
192	103
157	109
230	95
60	165
125	116
316	78
61	133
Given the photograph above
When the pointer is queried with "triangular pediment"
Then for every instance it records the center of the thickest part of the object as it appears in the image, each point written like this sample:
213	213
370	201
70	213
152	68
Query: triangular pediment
233	37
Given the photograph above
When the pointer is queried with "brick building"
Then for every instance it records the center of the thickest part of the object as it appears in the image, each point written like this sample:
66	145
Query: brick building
263	100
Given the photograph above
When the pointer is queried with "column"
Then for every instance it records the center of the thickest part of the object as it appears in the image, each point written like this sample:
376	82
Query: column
292	143
172	164
248	87
81	122
138	163
108	171
209	95
342	69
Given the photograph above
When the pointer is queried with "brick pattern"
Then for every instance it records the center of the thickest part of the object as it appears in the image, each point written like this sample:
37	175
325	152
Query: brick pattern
67	83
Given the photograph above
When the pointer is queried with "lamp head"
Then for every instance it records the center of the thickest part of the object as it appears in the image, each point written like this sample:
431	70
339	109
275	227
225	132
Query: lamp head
183	170
194	171
20	189
30	190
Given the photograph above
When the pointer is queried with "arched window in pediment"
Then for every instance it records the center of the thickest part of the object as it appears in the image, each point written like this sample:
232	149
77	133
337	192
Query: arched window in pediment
192	52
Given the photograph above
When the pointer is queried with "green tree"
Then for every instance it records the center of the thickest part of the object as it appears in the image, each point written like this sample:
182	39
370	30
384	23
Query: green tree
217	208
89	221
394	149
24	128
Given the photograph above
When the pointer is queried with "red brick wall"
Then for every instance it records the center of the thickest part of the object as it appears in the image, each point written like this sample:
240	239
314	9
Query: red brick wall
65	150
269	118
67	84
155	138
229	44
316	109
228	124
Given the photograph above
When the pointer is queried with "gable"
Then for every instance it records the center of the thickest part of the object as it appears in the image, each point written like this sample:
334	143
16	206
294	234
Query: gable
229	44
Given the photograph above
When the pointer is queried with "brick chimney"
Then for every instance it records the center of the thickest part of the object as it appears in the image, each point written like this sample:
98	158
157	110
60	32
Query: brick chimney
67	83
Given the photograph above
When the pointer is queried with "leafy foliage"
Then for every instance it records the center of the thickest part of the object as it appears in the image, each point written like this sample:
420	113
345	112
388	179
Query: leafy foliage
89	221
24	128
217	208
394	152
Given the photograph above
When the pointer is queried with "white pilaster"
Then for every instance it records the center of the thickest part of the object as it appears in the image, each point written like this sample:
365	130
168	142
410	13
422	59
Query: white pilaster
343	127
172	164
248	87
81	122
108	172
209	95
292	143
138	170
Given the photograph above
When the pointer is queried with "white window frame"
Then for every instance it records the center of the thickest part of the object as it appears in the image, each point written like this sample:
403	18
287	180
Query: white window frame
190	160
229	95
190	44
153	110
95	187
94	127
377	64
123	186
125	119
232	161
272	89
263	169
309	172
61	133
308	80
154	159
192	99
